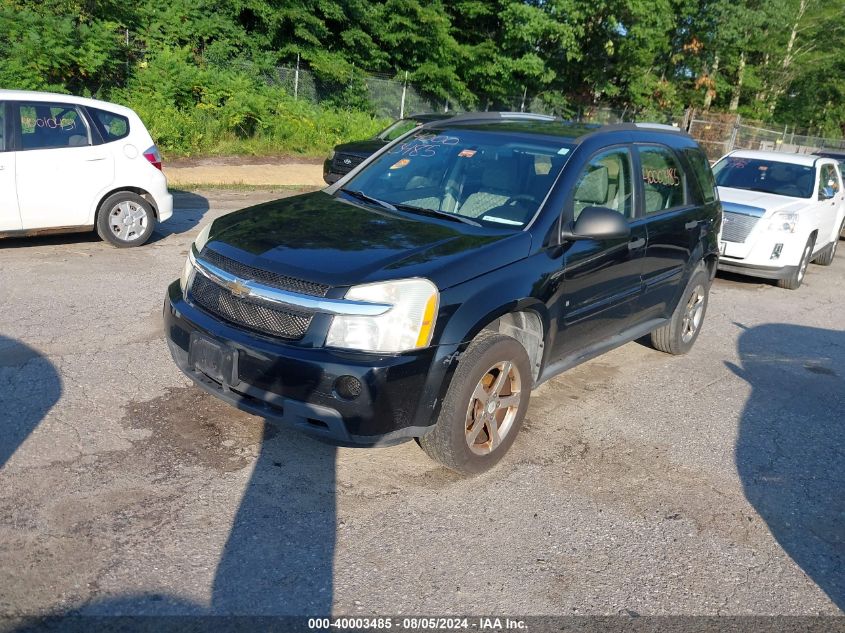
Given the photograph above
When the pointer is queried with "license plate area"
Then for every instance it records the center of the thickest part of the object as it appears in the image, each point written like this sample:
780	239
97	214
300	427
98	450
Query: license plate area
215	360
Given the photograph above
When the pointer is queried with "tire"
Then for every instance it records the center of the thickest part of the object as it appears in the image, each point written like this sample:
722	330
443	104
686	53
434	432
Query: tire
125	219
794	281
466	401
826	259
680	333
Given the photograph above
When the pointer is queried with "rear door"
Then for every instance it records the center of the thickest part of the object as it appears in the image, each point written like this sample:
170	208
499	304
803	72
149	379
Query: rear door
10	219
602	278
673	220
59	173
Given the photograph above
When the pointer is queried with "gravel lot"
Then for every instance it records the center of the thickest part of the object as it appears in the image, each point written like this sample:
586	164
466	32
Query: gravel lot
642	484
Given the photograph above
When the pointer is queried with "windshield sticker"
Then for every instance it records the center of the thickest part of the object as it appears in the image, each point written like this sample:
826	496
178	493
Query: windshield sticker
399	164
466	153
563	151
668	176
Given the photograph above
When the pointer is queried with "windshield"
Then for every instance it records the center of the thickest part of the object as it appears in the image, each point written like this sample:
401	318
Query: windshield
767	176
492	178
397	129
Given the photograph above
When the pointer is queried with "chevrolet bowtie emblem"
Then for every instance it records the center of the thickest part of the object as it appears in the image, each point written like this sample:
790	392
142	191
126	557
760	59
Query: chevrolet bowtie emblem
237	288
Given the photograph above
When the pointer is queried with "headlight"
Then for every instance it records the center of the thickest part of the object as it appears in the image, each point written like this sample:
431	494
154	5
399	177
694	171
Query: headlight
783	222
188	270
331	155
407	325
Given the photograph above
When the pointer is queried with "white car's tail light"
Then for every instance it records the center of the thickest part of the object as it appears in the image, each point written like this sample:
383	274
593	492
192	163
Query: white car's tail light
153	156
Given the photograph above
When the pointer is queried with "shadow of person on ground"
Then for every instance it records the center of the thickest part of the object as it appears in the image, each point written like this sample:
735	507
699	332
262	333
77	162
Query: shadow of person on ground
29	387
790	450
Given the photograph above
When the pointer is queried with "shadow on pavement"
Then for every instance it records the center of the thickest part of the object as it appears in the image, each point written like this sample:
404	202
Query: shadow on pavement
29	387
790	451
188	211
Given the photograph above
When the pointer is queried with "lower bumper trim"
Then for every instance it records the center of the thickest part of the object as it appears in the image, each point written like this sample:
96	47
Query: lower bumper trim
323	423
764	272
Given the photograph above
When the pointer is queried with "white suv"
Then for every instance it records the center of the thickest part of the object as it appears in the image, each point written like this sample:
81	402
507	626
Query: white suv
73	164
781	211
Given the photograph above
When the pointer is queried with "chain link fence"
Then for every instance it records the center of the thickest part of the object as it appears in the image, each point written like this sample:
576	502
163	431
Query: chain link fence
719	134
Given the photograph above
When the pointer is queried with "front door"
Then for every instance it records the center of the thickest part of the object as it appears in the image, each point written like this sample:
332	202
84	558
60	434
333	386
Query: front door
59	173
830	197
602	279
10	219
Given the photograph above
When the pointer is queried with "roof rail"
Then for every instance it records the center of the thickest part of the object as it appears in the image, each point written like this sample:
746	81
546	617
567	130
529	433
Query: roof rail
501	116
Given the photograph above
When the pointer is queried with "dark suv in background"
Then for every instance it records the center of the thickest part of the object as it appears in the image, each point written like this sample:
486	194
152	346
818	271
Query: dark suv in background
345	157
431	289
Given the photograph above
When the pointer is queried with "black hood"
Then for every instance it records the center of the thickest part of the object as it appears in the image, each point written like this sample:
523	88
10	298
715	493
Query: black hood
320	238
361	148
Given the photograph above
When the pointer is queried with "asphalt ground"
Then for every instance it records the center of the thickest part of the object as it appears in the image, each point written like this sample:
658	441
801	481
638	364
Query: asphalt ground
642	483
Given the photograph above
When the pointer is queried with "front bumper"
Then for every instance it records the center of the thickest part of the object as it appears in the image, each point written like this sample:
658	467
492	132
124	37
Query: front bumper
764	272
295	385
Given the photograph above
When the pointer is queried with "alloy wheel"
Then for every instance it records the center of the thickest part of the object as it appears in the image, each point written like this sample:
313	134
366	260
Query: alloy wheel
693	314
493	407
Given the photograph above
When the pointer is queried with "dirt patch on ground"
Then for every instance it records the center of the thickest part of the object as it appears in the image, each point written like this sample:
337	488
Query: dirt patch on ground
257	174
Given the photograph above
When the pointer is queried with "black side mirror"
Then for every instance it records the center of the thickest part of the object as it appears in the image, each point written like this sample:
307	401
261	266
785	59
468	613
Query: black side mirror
597	223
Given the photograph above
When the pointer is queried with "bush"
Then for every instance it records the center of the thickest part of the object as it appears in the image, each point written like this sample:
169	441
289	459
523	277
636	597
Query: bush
193	109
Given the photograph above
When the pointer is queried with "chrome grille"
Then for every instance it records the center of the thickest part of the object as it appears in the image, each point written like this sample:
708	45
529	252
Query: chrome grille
737	226
220	302
340	166
283	282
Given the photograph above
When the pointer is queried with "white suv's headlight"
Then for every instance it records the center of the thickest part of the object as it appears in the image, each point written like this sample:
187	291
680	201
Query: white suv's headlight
783	221
407	325
188	269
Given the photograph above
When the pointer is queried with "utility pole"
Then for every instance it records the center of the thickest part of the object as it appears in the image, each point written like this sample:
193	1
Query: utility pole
296	80
524	93
404	90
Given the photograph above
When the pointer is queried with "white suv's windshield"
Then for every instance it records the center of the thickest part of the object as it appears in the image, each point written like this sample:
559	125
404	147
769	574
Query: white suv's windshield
491	178
766	176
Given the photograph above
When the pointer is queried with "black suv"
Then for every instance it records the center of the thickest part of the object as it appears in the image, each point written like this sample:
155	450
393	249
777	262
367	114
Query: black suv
347	156
429	291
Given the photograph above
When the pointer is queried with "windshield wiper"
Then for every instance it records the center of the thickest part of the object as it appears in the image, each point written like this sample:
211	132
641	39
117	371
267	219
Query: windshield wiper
362	196
438	214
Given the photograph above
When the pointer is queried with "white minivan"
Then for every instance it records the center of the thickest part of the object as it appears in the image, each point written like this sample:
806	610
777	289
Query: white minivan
73	164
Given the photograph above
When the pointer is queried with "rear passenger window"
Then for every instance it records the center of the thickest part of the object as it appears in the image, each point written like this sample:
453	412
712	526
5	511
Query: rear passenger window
663	179
703	174
52	125
606	182
111	126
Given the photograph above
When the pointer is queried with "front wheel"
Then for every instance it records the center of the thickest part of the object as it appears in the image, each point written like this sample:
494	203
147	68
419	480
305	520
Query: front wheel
125	219
484	406
794	281
680	333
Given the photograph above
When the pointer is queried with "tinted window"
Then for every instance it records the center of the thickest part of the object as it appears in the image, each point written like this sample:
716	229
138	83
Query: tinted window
828	182
663	179
499	179
767	176
606	182
397	129
703	174
51	125
111	126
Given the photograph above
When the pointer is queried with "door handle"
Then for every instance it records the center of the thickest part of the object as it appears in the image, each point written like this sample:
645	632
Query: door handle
635	244
692	225
93	160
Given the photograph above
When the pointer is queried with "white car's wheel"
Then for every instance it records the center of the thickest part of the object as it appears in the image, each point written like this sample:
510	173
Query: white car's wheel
125	219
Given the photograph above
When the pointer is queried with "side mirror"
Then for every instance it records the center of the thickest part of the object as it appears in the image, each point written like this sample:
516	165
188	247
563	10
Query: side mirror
597	223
